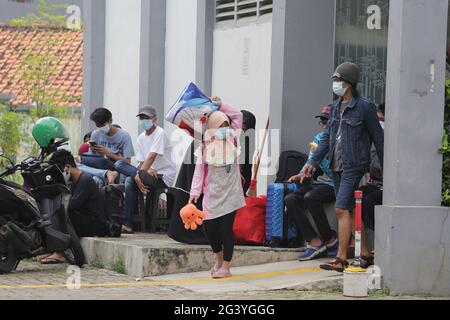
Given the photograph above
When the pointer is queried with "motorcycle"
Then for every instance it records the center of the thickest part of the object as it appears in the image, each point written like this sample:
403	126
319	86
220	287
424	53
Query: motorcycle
34	217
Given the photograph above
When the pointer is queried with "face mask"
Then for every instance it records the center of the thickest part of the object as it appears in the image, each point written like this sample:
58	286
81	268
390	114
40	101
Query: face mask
145	125
66	175
105	129
338	89
223	133
382	124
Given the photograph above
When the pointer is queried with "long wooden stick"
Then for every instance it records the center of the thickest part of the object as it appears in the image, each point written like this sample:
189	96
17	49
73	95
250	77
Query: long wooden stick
252	191
258	162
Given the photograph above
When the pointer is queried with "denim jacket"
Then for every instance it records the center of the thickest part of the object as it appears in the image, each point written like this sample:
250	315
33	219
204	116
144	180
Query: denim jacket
360	129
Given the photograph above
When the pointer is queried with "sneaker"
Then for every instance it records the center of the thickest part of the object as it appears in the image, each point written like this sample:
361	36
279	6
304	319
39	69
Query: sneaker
222	273
311	253
127	230
215	268
333	248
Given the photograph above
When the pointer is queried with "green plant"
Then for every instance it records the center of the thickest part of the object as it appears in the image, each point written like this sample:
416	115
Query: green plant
118	265
445	150
47	13
10	135
96	263
39	60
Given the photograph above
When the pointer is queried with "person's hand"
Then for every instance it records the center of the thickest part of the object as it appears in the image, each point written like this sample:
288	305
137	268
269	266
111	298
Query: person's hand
309	171
217	101
368	178
193	199
140	185
100	149
153	173
297	178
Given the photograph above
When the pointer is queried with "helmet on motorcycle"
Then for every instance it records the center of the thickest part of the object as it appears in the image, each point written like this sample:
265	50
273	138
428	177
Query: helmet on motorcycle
47	130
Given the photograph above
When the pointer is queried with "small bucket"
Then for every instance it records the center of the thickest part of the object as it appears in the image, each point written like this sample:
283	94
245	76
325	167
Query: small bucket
356	284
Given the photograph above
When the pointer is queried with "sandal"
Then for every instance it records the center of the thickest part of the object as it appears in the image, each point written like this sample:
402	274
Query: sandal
367	262
334	265
364	262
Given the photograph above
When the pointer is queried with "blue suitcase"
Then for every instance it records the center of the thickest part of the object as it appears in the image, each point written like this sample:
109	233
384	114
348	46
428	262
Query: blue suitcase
280	230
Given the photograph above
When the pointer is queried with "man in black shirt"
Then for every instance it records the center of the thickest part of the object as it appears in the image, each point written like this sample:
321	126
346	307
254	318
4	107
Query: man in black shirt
86	209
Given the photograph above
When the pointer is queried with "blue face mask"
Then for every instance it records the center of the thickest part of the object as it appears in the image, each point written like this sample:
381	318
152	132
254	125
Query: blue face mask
338	89
145	125
105	129
382	124
223	133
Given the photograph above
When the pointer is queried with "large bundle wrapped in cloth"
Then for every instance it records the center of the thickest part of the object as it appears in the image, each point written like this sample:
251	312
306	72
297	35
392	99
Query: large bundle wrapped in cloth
191	110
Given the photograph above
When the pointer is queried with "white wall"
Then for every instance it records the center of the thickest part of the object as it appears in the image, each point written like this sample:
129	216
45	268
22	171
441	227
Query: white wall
241	72
181	38
122	47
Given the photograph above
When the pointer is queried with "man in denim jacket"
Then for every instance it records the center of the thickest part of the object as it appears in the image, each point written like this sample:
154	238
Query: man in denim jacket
352	130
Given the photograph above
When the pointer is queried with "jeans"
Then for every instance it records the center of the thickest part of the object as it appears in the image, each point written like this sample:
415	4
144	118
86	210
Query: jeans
98	162
345	184
131	196
311	197
126	169
99	173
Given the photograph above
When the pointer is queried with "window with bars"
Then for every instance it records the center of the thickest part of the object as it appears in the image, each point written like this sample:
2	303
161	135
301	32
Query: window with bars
238	10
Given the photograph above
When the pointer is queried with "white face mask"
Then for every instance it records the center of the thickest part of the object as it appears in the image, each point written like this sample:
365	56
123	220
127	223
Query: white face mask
105	129
66	174
382	124
338	88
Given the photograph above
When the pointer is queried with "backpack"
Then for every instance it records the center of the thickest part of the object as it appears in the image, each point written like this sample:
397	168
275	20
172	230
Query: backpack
114	201
290	164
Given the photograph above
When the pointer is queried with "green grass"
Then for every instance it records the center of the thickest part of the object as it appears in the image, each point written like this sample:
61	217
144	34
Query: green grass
96	263
118	265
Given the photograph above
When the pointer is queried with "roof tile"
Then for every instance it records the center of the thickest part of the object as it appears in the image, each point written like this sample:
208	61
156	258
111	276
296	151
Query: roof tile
67	45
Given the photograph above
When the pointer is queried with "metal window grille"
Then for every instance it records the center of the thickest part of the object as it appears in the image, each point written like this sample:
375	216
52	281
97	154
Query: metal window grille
238	10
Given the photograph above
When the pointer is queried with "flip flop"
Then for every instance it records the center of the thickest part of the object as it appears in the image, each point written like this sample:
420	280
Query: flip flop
334	265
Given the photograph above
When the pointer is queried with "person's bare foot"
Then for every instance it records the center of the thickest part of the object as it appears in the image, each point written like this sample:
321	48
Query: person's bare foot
111	176
56	258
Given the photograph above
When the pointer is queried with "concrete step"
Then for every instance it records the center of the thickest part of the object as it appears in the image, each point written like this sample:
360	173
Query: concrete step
146	255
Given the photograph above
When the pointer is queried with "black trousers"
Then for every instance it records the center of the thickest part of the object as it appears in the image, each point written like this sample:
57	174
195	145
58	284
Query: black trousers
87	226
220	235
311	197
372	197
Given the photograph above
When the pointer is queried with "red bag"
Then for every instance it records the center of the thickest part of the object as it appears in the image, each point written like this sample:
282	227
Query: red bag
250	223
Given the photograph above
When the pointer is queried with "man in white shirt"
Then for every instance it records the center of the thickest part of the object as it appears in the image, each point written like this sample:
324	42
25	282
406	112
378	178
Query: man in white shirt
154	154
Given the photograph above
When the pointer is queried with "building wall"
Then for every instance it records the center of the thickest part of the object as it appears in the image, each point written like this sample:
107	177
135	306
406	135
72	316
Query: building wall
181	38
122	49
241	70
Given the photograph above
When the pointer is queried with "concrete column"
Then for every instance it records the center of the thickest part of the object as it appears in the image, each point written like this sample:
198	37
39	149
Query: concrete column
94	60
205	44
412	230
152	56
302	66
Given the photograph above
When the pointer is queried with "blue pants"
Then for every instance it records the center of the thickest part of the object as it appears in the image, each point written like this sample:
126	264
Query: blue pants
131	190
100	174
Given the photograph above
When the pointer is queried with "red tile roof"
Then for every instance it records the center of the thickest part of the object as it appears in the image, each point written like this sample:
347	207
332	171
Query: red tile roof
68	47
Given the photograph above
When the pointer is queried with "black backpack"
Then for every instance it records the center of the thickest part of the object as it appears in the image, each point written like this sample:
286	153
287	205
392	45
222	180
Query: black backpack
114	200
290	164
